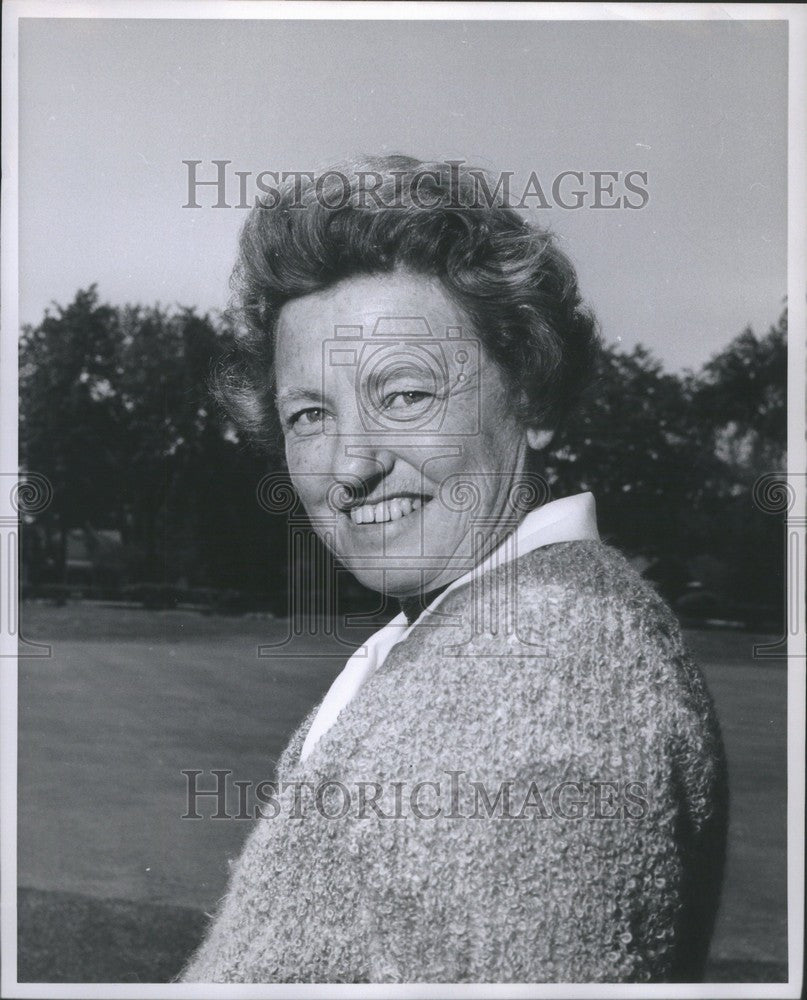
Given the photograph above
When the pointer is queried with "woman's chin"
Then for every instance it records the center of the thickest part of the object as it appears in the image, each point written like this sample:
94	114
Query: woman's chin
398	583
405	557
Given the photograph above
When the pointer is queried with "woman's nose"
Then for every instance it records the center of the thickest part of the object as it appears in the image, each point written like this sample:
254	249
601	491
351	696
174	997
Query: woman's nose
359	465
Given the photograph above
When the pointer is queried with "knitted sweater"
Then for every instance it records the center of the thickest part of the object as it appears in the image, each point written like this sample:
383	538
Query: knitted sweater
575	827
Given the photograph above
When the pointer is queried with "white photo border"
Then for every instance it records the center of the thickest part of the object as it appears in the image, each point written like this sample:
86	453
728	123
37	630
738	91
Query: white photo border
796	16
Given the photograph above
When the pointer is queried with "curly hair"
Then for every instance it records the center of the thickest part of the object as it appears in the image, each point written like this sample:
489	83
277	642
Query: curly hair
510	279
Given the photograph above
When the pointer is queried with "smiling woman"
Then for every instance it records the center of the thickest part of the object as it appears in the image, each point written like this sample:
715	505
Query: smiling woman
413	362
392	432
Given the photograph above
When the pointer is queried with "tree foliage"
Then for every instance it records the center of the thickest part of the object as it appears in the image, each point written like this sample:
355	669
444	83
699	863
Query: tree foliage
635	445
672	459
115	411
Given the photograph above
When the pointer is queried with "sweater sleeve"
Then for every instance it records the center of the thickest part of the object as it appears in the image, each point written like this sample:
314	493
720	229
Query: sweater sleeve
537	804
584	844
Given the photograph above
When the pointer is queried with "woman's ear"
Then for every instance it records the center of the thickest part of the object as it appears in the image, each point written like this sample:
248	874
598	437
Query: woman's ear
538	439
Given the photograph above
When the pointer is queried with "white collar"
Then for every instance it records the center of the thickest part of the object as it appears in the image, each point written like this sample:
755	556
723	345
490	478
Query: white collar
569	519
566	520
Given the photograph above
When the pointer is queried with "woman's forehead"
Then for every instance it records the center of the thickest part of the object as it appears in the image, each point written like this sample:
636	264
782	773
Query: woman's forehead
370	304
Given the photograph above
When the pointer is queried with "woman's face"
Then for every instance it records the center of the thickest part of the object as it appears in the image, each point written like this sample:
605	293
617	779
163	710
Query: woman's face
398	436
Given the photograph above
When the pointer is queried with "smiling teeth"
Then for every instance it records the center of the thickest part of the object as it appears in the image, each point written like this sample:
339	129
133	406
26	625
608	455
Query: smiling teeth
387	510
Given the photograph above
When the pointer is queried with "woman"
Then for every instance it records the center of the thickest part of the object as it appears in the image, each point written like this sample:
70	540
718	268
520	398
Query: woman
520	778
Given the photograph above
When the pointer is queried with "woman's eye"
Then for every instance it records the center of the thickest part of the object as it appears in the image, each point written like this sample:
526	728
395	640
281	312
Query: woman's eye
306	421
401	400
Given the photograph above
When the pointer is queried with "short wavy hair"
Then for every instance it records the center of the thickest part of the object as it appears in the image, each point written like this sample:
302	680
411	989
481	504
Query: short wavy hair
516	287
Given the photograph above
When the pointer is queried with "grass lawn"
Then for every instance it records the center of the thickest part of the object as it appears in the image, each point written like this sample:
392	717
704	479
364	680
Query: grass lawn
115	884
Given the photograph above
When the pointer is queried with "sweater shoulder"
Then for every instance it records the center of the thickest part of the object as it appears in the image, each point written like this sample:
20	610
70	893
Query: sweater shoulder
572	622
588	589
587	568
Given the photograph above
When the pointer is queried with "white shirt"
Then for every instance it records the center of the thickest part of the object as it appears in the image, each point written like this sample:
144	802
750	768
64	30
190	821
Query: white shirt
567	520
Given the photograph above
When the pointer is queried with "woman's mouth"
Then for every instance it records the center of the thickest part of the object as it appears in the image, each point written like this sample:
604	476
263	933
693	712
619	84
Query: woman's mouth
386	510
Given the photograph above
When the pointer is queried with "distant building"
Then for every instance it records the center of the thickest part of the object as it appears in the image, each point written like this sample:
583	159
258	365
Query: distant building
95	558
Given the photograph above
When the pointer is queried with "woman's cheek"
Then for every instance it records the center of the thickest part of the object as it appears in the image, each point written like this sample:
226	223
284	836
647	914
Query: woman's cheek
301	454
308	464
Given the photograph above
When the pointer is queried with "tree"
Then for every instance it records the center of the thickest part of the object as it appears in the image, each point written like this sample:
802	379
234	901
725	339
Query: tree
116	411
634	444
740	401
71	419
672	460
742	394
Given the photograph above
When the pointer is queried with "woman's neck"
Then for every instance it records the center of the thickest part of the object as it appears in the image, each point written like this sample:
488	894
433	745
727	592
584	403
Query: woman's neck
413	606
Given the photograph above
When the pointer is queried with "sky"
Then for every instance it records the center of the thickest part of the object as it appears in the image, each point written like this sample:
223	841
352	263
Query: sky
110	109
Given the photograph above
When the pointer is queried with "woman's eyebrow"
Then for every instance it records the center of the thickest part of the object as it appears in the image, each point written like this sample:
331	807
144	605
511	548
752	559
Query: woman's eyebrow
295	393
401	369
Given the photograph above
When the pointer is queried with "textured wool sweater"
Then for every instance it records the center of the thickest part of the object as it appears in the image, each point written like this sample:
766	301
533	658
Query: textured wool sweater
530	789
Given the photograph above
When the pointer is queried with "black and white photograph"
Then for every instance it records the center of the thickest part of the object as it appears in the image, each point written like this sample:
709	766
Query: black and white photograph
402	499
